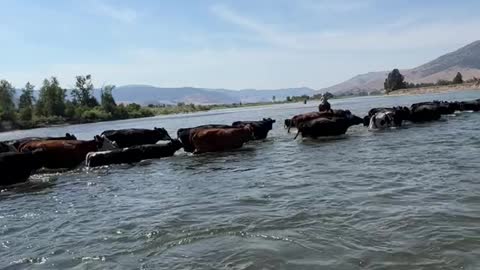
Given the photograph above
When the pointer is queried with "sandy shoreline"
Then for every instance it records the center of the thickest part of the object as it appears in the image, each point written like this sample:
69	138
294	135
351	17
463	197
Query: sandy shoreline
435	89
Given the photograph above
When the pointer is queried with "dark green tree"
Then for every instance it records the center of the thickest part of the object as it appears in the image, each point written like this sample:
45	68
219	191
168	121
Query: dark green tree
7	104
108	102
82	94
26	102
458	78
395	80
51	100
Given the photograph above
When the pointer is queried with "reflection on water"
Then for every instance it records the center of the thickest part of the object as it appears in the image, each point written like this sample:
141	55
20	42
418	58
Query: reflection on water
396	199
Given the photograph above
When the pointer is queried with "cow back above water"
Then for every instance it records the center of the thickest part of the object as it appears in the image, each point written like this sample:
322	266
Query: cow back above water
132	154
17	144
215	140
301	118
425	112
132	137
472	105
63	154
185	135
327	126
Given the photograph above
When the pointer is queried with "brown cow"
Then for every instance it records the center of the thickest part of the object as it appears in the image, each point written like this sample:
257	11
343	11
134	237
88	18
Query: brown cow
221	139
63	154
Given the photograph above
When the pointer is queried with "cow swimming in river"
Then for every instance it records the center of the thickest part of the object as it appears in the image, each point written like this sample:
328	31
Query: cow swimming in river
132	154
131	137
381	118
260	128
63	154
185	135
221	139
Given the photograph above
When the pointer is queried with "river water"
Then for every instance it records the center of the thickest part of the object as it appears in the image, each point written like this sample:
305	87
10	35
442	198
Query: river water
397	199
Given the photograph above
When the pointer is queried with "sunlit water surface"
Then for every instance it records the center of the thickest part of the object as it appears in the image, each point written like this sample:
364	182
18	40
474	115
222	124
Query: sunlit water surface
397	199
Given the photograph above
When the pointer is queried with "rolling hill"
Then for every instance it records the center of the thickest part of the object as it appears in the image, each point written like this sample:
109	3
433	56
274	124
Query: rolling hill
465	60
146	94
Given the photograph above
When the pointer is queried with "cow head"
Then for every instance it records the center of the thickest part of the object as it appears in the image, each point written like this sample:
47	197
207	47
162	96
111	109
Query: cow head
176	144
355	120
69	136
162	134
366	121
268	122
403	113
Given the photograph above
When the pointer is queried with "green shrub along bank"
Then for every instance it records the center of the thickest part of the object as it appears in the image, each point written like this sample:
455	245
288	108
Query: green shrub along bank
52	106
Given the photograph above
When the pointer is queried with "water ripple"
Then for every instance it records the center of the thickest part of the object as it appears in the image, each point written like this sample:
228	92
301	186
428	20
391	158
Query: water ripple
404	198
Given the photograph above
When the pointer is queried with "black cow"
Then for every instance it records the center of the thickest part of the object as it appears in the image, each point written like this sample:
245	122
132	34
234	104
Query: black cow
130	137
133	154
327	126
297	119
17	167
473	105
185	135
17	144
429	111
442	107
260	128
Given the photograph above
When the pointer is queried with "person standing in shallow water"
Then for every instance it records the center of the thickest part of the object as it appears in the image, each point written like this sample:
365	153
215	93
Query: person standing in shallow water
324	105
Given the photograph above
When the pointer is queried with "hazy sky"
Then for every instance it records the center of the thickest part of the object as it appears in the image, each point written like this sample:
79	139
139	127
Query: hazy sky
225	43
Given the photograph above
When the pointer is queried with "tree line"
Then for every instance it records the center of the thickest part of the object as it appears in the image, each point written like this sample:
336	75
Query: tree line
55	105
395	81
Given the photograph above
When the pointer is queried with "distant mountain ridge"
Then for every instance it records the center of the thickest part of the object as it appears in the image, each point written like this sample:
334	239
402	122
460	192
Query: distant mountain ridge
465	60
147	94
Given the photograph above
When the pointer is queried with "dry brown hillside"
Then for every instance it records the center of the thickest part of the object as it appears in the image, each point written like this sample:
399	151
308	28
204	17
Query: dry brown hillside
465	60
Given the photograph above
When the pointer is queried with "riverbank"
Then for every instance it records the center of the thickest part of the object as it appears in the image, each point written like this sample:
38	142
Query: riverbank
149	111
435	89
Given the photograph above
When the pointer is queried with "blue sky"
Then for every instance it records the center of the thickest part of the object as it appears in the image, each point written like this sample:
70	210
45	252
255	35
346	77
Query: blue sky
224	43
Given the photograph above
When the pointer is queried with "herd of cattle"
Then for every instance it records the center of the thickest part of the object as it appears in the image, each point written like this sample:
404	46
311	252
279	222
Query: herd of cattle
20	158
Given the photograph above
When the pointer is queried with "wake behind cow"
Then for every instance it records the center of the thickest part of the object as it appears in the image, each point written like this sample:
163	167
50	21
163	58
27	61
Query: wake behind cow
130	137
218	139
